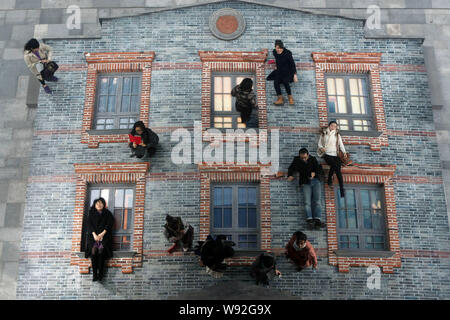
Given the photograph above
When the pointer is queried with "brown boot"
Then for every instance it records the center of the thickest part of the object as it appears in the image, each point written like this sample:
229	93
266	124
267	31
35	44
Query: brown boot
291	99
280	101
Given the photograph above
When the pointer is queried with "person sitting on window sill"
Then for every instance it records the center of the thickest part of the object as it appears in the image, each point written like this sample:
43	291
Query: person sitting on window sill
245	101
179	234
212	252
264	269
149	141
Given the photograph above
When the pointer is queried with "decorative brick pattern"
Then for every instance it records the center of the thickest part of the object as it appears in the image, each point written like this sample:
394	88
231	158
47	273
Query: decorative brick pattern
109	173
365	174
347	62
233	61
210	173
108	62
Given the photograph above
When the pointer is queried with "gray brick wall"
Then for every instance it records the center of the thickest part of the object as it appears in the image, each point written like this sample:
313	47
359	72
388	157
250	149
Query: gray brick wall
176	36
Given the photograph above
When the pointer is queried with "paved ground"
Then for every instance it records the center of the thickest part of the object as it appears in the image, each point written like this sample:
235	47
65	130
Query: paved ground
21	20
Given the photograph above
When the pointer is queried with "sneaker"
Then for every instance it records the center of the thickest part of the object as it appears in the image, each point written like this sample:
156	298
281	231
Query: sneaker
47	90
318	224
310	224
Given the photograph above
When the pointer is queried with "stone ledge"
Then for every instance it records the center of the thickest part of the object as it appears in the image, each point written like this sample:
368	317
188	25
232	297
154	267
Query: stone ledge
364	253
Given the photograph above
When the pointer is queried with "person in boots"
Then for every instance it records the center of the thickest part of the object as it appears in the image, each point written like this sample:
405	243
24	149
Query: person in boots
213	251
38	53
179	234
285	72
99	224
330	142
245	100
300	251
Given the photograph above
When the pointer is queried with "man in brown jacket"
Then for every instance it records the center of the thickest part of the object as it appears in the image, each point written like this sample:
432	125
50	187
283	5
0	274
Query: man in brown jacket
301	252
34	53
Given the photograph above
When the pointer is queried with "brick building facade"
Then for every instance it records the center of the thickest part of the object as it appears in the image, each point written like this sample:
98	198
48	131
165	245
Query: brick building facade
176	55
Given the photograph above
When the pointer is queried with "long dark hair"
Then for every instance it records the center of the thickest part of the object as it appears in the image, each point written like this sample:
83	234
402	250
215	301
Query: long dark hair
93	209
31	45
139	124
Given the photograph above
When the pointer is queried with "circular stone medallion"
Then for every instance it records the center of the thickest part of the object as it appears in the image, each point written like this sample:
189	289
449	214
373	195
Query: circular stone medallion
227	24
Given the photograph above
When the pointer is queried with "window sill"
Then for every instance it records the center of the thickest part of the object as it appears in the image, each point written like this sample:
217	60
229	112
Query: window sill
116	254
108	132
374	134
364	253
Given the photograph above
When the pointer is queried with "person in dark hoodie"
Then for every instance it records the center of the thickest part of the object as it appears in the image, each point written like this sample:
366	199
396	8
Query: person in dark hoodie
264	268
149	140
245	100
310	176
180	234
285	72
99	224
212	252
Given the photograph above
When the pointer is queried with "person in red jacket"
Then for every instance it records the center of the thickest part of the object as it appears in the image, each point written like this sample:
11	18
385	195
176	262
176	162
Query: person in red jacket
301	252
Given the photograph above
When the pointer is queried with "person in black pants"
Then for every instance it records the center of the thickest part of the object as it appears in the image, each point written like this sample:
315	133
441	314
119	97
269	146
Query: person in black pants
149	141
264	268
212	253
285	72
330	143
99	224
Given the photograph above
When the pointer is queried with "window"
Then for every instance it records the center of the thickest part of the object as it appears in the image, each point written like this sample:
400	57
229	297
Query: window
118	101
348	101
224	113
361	218
235	213
120	201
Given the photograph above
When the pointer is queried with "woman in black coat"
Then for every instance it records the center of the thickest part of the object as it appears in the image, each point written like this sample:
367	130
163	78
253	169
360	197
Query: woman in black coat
285	72
149	140
99	223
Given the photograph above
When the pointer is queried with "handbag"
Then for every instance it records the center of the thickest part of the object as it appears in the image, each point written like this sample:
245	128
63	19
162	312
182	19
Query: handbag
49	70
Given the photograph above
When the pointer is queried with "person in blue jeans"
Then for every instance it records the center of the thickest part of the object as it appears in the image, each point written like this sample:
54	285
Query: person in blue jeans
310	176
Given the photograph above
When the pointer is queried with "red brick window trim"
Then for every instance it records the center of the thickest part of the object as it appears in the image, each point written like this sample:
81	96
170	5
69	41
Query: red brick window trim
212	173
109	173
365	174
357	63
233	61
110	62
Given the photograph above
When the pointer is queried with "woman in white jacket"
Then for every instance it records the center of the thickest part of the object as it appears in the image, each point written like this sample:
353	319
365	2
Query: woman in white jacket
35	53
330	143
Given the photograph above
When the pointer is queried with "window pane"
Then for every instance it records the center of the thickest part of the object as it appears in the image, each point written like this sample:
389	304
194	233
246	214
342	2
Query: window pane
240	124
375	196
343	242
356	108
350	198
340	86
135	104
242	217
343	124
227	102
111	104
129	194
217	218
227	122
227	218
100	124
105	195
252	217
352	221
218	104
342	218
354	87
102	103
332	101
367	219
104	86
227	196
227	85
126	89
251	196
342	105
118	197
362	87
363	104
242	196
365	201
113	85
242	241
95	194
218	85
354	243
118	219
125	104
331	87
109	124
126	219
218	122
136	85
218	196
